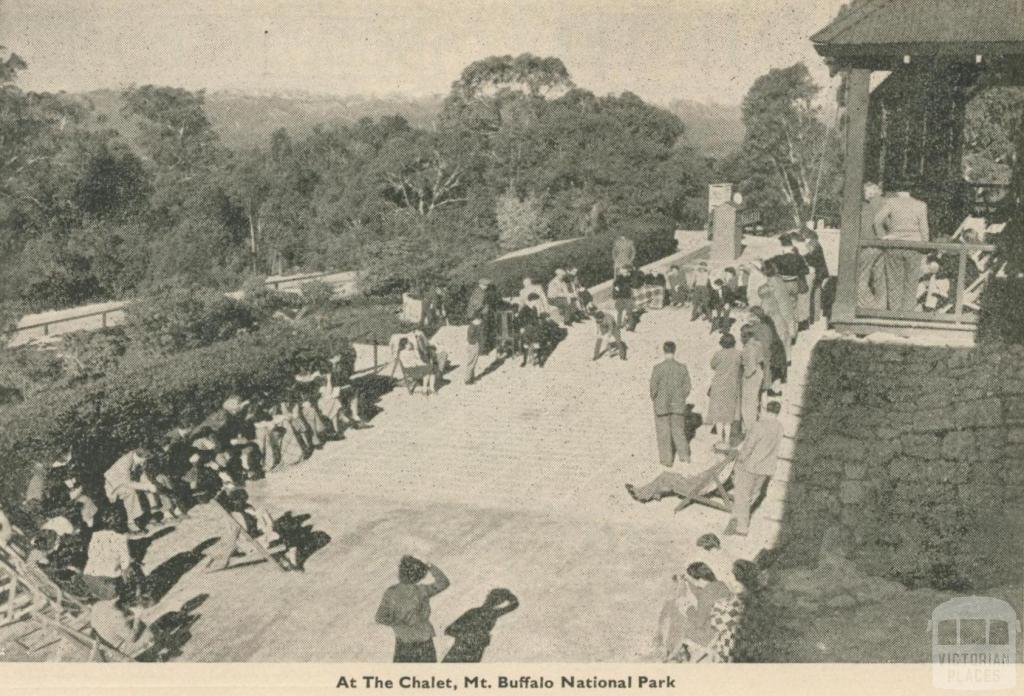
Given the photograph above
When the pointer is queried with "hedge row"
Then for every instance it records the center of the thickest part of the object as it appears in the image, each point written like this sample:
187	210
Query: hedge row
142	399
653	238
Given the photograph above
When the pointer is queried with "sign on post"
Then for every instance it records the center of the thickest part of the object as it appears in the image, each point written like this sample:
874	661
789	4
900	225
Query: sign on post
718	194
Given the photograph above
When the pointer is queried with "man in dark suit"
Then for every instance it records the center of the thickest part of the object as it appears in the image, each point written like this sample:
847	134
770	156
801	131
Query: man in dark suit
670	385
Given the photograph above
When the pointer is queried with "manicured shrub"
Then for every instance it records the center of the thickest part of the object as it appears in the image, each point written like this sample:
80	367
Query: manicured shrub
173	319
653	237
134	404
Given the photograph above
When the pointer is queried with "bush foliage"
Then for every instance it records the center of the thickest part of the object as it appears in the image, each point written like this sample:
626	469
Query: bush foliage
135	403
654	239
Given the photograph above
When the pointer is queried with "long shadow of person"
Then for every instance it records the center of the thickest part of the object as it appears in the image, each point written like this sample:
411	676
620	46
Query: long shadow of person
298	535
162	578
472	630
372	388
172	631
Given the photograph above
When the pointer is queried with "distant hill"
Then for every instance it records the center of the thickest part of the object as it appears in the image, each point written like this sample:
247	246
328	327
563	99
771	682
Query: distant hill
245	119
714	129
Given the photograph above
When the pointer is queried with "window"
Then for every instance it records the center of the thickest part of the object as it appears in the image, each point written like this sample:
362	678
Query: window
946	635
998	632
972	632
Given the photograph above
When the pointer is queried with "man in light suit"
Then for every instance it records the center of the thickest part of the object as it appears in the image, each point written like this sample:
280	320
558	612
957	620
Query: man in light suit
902	217
755	464
670	385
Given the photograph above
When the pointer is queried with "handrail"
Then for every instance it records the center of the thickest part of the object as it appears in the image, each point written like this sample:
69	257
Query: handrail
950	313
45	325
924	246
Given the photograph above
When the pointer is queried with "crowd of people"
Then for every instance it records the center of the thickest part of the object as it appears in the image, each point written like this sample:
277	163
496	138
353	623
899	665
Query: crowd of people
85	530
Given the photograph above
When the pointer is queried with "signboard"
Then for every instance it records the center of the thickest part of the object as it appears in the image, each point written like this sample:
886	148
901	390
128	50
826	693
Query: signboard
718	194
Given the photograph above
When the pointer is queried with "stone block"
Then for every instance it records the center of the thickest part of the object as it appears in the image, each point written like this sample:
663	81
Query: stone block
907	469
1015	436
934	420
840	447
986	413
856	471
852	492
958	445
921	445
1014	409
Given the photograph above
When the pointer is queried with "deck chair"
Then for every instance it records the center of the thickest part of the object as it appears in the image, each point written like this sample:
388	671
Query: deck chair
410	376
234	555
709	487
27	595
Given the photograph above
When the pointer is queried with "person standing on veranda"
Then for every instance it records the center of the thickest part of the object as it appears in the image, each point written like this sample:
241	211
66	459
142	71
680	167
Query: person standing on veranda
754	362
755	464
904	218
870	266
670	387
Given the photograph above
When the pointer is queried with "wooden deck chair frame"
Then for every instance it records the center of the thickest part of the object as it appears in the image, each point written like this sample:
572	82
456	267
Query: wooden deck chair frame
719	475
35	580
237	534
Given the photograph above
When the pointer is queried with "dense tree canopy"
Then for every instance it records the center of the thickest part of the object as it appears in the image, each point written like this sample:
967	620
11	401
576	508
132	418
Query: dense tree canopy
519	155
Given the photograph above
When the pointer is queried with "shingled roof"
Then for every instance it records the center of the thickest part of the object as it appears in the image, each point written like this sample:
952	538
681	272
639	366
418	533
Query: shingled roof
942	27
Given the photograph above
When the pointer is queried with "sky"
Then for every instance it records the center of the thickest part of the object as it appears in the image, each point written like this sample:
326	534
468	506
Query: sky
662	50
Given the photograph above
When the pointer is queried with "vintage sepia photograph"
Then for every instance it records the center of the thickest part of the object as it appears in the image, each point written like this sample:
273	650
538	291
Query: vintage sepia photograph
523	332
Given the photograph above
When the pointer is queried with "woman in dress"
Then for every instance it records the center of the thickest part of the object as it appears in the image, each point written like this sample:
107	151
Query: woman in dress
724	393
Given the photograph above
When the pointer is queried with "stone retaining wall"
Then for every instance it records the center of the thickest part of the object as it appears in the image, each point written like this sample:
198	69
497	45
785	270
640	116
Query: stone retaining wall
916	454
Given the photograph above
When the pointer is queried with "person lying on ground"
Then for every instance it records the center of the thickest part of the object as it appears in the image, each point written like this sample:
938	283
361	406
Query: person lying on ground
671	483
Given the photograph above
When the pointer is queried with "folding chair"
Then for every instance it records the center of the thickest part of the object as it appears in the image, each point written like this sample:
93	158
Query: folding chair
26	594
708	488
238	536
